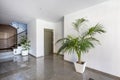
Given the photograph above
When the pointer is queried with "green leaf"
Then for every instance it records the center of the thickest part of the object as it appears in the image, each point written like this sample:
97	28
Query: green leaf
77	24
83	42
96	29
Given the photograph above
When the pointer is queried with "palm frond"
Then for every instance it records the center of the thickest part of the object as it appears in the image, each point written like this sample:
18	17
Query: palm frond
69	45
93	39
78	23
85	45
61	40
83	42
96	29
62	48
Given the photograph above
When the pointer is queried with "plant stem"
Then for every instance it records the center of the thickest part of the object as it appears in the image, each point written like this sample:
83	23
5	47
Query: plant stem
79	56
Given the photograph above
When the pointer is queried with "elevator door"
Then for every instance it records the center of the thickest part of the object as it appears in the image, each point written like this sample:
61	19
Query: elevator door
48	41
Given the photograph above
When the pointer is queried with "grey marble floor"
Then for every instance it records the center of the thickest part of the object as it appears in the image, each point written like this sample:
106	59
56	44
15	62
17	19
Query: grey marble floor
44	68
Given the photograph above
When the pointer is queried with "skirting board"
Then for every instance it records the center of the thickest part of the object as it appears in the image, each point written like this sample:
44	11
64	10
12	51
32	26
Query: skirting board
100	72
103	73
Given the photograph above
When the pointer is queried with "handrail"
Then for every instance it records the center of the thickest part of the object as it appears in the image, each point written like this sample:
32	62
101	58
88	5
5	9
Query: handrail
17	34
12	40
14	35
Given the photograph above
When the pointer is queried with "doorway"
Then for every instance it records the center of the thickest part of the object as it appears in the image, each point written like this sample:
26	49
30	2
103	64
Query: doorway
48	42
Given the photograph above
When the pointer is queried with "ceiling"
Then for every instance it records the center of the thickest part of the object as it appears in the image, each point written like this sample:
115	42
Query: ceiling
50	10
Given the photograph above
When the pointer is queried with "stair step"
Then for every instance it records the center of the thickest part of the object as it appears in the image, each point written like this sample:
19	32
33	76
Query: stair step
6	56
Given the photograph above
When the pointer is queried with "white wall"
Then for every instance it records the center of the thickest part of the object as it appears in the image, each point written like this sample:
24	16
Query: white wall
32	37
105	57
58	34
36	35
41	25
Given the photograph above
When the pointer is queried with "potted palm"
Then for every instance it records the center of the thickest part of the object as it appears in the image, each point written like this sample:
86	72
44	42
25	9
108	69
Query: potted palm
25	43
80	43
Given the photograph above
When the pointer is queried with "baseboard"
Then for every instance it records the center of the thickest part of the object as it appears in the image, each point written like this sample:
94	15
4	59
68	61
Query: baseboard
103	73
100	72
58	55
32	55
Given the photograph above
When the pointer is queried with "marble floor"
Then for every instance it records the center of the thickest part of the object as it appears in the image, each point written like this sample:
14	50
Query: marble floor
45	68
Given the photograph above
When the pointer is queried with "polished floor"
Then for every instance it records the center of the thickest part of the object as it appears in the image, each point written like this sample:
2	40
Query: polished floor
45	68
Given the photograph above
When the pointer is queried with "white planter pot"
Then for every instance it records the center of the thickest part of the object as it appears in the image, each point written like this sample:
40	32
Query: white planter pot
80	68
17	50
24	52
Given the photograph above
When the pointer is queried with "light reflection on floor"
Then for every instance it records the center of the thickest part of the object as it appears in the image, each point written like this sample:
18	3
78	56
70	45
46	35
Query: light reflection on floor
44	68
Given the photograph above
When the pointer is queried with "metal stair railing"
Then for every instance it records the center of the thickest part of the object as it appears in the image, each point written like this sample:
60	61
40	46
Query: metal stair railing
12	41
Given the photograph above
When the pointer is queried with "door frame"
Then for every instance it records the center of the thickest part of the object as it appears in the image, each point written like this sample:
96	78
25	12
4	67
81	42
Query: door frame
52	37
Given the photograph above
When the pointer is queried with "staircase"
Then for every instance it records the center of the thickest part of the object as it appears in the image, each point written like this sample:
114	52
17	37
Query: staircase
11	42
6	56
